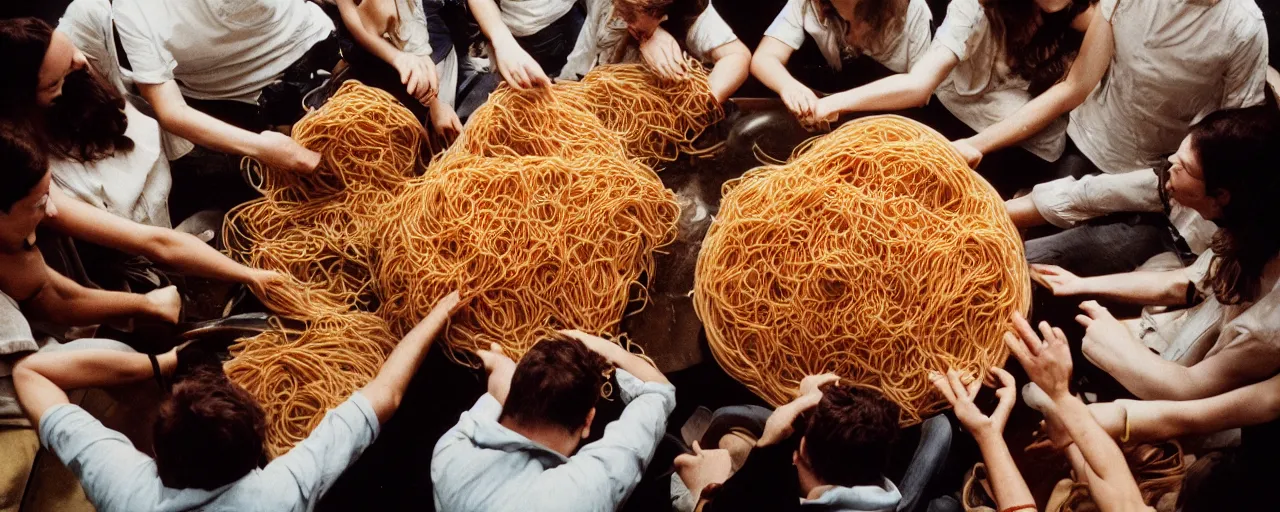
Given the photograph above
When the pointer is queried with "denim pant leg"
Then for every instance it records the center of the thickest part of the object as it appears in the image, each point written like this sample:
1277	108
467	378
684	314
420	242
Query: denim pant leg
929	460
551	46
1110	245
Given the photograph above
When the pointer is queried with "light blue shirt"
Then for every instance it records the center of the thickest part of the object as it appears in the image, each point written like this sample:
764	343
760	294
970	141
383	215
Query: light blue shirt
481	466
117	477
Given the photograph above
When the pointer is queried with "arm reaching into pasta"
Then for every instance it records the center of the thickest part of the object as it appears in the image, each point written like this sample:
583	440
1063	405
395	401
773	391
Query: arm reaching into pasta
769	65
1010	489
1166	288
372	18
515	65
896	92
387	389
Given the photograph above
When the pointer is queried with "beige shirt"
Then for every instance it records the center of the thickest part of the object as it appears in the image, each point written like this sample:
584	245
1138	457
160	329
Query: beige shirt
1211	327
898	52
603	32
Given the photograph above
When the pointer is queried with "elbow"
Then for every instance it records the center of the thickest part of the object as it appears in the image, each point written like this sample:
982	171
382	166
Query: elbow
162	245
758	64
918	97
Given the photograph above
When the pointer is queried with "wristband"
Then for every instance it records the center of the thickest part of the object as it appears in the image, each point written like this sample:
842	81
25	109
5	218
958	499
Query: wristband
155	369
1125	437
1030	506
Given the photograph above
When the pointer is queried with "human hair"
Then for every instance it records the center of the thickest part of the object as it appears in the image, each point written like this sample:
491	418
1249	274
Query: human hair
681	14
1038	46
882	18
86	123
1237	154
210	432
849	435
557	382
24	164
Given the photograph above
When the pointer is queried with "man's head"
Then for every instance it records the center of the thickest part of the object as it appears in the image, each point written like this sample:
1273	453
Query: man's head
556	384
848	436
210	431
642	16
24	186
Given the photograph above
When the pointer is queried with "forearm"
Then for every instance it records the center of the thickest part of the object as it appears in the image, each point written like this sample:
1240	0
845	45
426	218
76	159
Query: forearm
69	303
365	30
1160	420
188	254
75	369
1148	376
1168	288
729	72
1028	120
1101	453
772	72
633	364
387	389
1006	481
894	92
489	18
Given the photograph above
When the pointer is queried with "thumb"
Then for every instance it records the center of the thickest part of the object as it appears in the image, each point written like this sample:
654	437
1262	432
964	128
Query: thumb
697	449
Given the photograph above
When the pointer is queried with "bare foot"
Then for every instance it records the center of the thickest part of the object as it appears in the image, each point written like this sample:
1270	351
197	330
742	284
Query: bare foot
166	303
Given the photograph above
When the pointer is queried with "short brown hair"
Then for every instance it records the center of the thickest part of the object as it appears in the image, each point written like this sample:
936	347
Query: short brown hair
849	435
557	382
210	432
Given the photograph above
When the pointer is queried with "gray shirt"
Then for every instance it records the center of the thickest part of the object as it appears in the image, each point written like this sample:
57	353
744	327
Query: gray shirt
480	465
117	477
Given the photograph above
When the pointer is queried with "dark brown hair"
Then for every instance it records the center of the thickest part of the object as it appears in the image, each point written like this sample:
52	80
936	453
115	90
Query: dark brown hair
849	435
210	432
86	123
557	382
882	17
1038	46
1237	154
25	164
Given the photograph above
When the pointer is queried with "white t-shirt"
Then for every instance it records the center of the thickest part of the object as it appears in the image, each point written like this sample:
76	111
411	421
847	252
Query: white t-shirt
88	24
899	51
527	17
133	184
981	90
217	49
603	32
1175	62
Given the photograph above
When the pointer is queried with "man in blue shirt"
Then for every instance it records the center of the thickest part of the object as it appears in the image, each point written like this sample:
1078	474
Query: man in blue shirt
209	436
515	449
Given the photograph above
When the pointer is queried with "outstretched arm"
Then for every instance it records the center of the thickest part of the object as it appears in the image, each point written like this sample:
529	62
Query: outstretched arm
896	92
1010	489
387	389
367	22
515	65
769	65
1158	420
620	357
66	302
42	379
732	65
1163	288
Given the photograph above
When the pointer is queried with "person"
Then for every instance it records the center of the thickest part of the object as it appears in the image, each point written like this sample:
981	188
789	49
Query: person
1227	340
403	46
984	66
209	433
529	40
518	447
1096	459
837	462
223	75
1146	70
1094	243
893	33
616	30
1011	492
30	200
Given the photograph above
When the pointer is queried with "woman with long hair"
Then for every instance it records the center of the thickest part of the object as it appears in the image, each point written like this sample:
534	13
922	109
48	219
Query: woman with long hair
660	33
893	33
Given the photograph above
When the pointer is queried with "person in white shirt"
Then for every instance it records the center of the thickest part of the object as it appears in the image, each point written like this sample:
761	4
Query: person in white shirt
894	33
659	33
983	67
1146	71
529	40
395	45
203	65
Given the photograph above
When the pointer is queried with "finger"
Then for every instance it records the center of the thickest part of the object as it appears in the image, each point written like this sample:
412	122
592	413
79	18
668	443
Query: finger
1093	309
973	388
1046	331
697	449
1006	379
685	460
958	387
943	386
1008	398
1016	346
404	76
1061	336
1084	320
510	77
1023	329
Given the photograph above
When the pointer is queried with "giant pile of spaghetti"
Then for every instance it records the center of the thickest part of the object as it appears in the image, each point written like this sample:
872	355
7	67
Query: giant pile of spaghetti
545	215
874	253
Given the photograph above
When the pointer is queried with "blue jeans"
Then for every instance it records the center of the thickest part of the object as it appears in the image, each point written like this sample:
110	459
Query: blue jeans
926	464
551	46
1107	245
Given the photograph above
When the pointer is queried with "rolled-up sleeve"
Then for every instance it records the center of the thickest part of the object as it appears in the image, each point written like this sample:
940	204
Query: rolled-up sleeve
1068	201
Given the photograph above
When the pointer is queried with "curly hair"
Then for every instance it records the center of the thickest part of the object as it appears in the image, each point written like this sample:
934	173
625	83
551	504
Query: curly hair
1038	46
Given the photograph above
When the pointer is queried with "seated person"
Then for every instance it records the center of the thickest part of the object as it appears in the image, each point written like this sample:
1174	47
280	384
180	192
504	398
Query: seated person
204	66
983	67
28	200
1094	245
837	462
893	33
403	46
529	40
659	32
1228	340
518	448
209	435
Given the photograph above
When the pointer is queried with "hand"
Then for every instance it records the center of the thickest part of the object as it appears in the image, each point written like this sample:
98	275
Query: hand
418	75
824	111
968	152
260	280
495	359
446	306
518	68
1106	340
961	399
1059	280
801	101
703	468
281	152
166	303
1047	362
812	383
662	53
778	427
445	121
